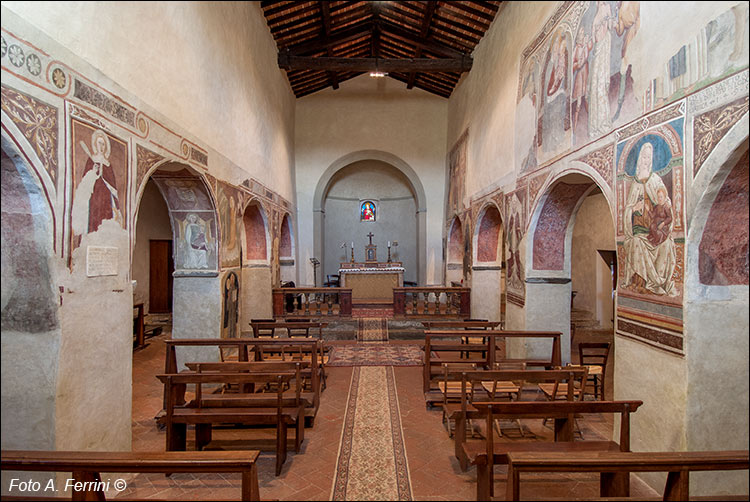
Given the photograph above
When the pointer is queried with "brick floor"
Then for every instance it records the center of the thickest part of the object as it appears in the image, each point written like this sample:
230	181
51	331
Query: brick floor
308	475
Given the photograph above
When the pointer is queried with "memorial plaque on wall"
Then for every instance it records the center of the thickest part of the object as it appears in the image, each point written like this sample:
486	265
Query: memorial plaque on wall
101	260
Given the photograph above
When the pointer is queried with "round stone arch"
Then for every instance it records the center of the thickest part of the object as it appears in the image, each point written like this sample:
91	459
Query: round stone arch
255	278
487	278
716	301
30	303
256	241
548	253
455	250
324	184
197	288
287	248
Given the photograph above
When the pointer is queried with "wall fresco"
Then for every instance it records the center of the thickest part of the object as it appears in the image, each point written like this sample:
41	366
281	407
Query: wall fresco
720	49
576	83
488	235
515	216
100	173
552	225
723	251
711	126
650	214
455	242
457	176
229	202
255	233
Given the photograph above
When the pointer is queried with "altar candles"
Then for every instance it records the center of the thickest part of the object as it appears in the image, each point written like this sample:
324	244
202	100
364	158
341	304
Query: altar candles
389	243
352	244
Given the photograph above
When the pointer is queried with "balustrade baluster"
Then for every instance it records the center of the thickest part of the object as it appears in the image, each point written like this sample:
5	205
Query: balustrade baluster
306	303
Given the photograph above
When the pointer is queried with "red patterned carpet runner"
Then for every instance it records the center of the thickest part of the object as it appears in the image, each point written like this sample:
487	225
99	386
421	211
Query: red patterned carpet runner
376	355
372	463
372	330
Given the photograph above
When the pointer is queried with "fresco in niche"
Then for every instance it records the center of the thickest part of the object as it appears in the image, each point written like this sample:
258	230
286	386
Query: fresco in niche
100	163
229	203
719	49
576	80
196	243
650	230
723	251
231	311
184	194
457	176
255	233
515	214
29	302
488	235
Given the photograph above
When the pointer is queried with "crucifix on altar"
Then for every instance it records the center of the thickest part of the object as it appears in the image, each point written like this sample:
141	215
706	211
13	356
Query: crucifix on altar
371	250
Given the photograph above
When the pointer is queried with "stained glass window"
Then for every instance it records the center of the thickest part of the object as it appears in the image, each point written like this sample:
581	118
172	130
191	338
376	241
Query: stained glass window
367	211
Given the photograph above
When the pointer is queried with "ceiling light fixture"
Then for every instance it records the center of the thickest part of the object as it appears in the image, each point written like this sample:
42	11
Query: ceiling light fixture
377	73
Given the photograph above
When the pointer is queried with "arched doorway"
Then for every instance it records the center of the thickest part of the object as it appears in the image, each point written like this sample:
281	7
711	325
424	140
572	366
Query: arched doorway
31	332
716	309
195	251
256	300
319	211
549	255
454	266
389	202
288	270
487	283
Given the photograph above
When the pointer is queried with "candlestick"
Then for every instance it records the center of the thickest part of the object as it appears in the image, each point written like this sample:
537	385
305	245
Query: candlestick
352	252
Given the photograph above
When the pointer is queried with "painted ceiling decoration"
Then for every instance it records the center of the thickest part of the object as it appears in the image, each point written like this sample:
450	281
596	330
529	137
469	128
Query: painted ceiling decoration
427	45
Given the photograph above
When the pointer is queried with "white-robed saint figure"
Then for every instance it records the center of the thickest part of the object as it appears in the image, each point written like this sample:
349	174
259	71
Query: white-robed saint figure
649	246
196	250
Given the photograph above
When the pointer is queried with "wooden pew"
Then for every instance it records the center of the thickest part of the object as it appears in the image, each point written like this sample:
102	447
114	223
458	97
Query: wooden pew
87	467
294	326
311	398
678	464
564	414
444	341
466	452
275	410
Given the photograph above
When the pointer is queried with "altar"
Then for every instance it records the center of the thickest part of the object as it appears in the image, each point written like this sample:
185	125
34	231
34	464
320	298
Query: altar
372	282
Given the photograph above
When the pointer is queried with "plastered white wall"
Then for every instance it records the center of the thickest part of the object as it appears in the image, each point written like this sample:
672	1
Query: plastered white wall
208	66
371	114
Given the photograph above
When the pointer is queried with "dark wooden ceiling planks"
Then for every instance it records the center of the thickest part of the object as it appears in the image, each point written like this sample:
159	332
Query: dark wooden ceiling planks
422	40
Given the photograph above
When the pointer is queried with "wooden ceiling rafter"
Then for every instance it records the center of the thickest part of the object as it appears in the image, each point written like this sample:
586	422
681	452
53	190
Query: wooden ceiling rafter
425	44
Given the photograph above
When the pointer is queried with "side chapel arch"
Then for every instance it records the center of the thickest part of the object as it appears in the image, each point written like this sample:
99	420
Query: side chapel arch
455	251
548	252
488	281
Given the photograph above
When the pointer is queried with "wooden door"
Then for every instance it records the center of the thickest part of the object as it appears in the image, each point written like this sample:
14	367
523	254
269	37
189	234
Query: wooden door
160	276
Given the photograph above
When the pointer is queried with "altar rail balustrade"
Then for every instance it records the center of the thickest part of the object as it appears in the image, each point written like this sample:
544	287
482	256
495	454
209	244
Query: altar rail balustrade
312	302
433	300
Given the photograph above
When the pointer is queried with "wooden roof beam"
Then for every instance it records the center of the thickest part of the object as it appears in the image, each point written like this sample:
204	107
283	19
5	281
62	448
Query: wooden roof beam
346	35
423	43
457	65
424	30
326	15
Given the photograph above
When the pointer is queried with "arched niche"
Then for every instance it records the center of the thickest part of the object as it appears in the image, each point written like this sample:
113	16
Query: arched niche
30	307
716	311
324	185
195	250
455	249
256	241
549	256
288	270
488	281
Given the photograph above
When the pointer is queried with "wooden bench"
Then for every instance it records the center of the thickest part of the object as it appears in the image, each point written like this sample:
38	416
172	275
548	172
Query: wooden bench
87	466
677	464
294	328
310	398
465	410
487	453
269	409
444	341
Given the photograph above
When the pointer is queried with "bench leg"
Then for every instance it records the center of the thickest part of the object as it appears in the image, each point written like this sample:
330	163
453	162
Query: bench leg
202	435
299	437
176	437
513	485
615	484
677	487
250	490
89	478
280	446
483	482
